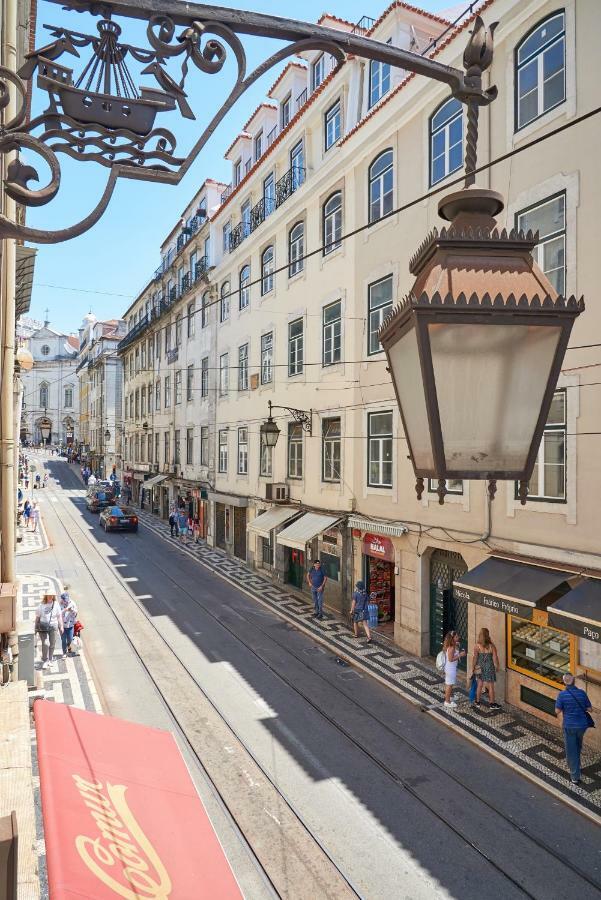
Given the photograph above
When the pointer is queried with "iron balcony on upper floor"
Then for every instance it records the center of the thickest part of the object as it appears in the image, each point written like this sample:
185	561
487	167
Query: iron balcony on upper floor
284	188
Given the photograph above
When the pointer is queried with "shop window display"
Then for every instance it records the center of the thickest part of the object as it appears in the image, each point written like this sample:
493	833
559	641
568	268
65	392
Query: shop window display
539	651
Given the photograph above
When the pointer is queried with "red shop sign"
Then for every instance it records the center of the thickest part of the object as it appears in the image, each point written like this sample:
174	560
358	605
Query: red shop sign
121	815
379	547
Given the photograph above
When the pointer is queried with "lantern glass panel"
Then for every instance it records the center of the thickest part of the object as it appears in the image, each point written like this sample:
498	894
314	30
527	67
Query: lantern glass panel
406	370
490	381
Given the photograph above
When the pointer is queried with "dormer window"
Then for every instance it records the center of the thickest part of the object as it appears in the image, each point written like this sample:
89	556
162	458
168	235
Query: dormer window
238	172
247	166
286	110
318	70
259	145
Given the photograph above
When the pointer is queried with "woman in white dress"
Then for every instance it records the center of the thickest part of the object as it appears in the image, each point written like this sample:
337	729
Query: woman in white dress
453	655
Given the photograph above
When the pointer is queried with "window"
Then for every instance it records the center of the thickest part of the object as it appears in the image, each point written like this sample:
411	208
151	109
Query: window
150	352
189	446
178	331
296	242
190	383
266	457
244	282
247	165
142	448
285	110
223	374
297	165
269	194
318	72
379	449
157	348
178	386
191	313
331	450
332	333
540	70
167	341
45	349
237	171
68	396
379	305
167	402
452	485
149	395
166	449
295	347
446	140
222	451
157	438
204	445
259	145
295	450
204	377
137	357
224	305
332	125
379	80
243	451
243	367
143	402
267	268
549	219
157	395
193	261
548	481
44	394
226	231
177	448
266	357
332	223
149	441
137	397
381	176
204	310
180	280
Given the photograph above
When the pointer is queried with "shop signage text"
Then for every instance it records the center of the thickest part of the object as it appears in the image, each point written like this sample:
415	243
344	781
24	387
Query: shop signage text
509	607
573	626
380	547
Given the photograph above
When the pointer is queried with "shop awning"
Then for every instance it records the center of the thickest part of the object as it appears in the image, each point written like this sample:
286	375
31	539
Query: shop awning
509	586
305	529
579	611
120	822
264	523
152	482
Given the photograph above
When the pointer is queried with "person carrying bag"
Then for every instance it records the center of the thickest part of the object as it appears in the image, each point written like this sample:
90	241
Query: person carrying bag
48	622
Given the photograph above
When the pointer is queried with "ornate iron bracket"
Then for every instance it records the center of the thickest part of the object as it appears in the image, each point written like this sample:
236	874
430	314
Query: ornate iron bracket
304	418
102	115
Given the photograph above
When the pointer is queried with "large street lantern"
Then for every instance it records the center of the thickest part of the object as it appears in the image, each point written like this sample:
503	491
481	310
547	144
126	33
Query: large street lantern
270	431
476	347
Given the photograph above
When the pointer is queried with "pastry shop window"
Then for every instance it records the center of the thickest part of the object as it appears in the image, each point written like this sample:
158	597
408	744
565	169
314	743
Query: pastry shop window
541	652
589	654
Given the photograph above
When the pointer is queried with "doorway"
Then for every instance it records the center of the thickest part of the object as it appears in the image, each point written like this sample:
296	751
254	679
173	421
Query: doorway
220	526
447	612
295	567
240	532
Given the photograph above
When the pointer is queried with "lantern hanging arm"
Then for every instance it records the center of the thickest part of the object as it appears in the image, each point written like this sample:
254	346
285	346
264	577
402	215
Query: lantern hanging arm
302	416
102	115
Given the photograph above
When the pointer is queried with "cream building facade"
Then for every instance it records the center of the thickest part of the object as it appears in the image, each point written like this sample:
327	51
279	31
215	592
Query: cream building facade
309	250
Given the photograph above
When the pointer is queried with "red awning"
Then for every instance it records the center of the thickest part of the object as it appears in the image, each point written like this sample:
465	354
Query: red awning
122	818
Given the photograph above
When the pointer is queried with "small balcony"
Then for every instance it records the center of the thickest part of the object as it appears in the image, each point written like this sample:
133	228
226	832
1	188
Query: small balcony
227	192
186	283
288	184
365	23
301	99
272	135
201	268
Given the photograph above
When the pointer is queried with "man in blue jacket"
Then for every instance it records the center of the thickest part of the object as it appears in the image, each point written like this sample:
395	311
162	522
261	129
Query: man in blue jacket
316	579
573	704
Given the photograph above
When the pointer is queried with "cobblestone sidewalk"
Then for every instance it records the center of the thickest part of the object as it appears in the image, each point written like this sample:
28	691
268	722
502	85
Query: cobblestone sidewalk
516	738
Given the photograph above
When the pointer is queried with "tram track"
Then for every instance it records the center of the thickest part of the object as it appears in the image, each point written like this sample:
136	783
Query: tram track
390	773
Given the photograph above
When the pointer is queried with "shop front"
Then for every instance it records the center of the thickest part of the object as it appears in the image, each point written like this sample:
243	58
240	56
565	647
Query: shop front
154	492
262	532
138	476
308	538
378	575
229	523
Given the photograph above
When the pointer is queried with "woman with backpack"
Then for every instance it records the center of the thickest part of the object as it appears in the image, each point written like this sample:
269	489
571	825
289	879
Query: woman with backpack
485	663
452	655
359	611
48	622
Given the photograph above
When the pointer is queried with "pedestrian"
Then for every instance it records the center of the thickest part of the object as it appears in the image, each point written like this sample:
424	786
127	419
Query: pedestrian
34	517
69	614
359	610
485	663
48	621
45	479
26	512
38	479
573	704
182	521
453	654
316	579
173	523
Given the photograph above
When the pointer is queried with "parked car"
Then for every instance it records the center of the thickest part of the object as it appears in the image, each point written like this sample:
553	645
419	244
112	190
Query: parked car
119	518
98	499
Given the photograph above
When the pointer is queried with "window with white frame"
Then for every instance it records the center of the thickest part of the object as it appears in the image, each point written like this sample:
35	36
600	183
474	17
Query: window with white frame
167	402
190	383
379	449
149	442
178	386
143	355
548	481
381	186
224	374
379	305
143	402
296	249
191	315
285	110
297	164
266	357
295	450
245	218
44	394
222	456
157	395
267	269
332	125
295	347
540	70
243	367
204	445
446	140
332	223
226	231
244	285
204	311
266	460
166	448
332	334
331	450
149	395
318	71
237	171
189	446
157	348
167	340
177	453
224	303
243	451
549	219
204	377
150	352
379	80
452	485
157	440
68	396
193	261
178	332
259	145
269	194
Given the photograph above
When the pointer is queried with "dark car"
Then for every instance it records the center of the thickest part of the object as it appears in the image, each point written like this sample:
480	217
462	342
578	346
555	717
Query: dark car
119	518
98	499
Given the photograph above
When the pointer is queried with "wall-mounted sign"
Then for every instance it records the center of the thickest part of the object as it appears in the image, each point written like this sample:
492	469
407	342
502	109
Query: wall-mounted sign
379	547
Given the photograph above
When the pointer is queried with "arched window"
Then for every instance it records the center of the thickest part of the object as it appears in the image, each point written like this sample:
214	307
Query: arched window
381	173
224	306
540	70
44	394
204	310
178	331
267	267
296	249
68	396
332	223
446	140
244	283
45	350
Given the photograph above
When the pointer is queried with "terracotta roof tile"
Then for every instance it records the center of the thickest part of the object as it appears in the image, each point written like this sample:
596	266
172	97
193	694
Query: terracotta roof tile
258	109
291	65
73	340
335	19
397	4
242	134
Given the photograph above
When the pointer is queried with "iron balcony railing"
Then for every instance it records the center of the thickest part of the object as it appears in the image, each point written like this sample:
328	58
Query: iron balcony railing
288	184
272	135
301	99
173	294
201	268
134	332
227	192
236	236
364	24
186	283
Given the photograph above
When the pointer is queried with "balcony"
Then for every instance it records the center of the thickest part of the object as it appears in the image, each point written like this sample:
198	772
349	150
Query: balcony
135	332
364	24
301	100
186	283
172	294
272	135
172	355
201	268
288	184
227	192
239	233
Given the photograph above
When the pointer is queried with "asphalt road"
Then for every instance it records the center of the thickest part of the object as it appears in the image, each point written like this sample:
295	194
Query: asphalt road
391	803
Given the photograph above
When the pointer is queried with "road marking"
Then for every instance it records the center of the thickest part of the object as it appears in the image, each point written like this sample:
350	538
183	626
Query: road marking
271	816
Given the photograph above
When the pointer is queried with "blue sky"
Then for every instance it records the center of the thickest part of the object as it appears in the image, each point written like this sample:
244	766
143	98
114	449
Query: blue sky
105	268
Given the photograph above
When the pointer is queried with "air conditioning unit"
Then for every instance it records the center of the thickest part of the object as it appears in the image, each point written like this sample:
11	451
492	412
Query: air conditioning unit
277	492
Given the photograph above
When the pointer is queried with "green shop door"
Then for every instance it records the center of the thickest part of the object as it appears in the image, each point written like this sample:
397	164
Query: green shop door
295	567
447	612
